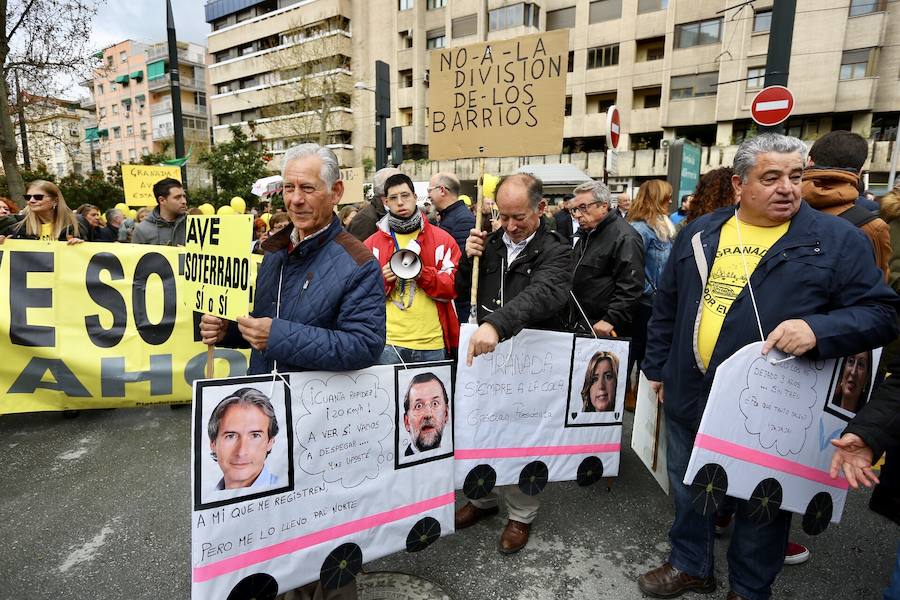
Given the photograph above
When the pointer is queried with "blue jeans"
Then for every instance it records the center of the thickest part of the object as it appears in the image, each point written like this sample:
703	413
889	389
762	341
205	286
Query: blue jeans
756	554
893	589
389	356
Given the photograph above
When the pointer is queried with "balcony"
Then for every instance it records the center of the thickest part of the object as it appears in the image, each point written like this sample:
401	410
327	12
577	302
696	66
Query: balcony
164	107
162	51
187	83
167	130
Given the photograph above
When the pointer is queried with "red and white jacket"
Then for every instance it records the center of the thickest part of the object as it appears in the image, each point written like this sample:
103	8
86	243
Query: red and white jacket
440	257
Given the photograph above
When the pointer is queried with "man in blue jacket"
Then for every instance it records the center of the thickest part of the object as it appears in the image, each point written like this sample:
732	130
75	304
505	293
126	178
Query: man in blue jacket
813	289
456	219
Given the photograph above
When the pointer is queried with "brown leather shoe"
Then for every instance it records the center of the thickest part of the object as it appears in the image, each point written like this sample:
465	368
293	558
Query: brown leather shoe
666	581
514	537
469	514
734	596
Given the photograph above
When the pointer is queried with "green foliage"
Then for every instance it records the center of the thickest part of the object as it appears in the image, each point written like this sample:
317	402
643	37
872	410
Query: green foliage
90	189
114	175
39	172
237	164
198	196
368	165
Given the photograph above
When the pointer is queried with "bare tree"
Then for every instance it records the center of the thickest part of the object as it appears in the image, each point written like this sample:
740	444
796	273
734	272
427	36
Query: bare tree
308	73
46	44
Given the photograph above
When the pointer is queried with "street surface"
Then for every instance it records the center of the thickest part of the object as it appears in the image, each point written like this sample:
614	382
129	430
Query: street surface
97	507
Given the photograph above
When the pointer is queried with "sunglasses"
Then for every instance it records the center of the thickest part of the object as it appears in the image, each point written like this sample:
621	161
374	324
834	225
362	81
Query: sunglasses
37	197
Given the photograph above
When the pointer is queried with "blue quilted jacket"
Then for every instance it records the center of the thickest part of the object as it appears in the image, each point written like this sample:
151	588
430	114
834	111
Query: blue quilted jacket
331	315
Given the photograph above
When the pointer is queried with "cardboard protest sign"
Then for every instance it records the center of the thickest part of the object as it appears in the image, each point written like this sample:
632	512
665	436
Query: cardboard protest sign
218	271
97	326
500	98
353	186
138	182
648	434
766	433
544	406
296	477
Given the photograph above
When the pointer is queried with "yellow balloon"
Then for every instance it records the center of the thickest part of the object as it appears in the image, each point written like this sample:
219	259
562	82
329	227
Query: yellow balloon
225	210
489	185
466	200
207	209
266	217
132	214
122	206
238	204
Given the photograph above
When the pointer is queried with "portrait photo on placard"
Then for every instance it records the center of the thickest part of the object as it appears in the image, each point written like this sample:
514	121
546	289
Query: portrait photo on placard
851	385
424	414
598	380
243	440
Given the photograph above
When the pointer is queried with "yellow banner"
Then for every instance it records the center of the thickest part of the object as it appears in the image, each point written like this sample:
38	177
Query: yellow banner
217	267
97	326
138	182
503	98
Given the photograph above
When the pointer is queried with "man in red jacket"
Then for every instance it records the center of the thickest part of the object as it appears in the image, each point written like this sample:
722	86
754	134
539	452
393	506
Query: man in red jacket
421	321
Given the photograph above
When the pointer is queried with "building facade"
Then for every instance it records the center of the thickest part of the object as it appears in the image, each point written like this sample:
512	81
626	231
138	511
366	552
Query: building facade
675	68
54	131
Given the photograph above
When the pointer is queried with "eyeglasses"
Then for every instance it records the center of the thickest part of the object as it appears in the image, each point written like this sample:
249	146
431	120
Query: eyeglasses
403	196
437	187
37	197
582	208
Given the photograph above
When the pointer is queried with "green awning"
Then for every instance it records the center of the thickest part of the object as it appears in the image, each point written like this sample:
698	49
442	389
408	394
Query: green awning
103	132
126	100
91	134
155	70
98	54
139	97
123	79
137	75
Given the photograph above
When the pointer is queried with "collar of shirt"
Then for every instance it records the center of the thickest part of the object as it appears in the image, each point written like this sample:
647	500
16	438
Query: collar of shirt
513	249
295	236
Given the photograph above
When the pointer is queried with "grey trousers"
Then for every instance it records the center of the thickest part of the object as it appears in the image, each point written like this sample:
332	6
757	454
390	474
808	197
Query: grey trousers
520	506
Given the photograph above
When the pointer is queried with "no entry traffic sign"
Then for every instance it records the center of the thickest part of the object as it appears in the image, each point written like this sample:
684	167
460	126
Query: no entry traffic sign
613	127
772	105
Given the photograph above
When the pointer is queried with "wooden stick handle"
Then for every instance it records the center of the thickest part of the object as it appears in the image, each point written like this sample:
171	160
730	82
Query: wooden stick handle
210	361
479	205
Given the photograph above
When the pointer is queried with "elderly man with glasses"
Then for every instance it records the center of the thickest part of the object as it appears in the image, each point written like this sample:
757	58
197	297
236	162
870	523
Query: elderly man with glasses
609	264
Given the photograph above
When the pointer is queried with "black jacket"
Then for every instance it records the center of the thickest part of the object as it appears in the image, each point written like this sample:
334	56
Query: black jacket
365	222
458	221
609	274
534	288
564	225
13	227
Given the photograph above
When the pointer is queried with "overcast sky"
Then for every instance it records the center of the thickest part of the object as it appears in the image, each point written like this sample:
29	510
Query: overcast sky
145	21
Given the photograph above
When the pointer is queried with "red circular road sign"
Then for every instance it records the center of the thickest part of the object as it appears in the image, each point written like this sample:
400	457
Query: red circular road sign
772	105
613	127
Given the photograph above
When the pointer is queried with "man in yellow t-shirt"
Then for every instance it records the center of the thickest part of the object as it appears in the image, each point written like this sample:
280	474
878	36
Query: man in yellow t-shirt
421	320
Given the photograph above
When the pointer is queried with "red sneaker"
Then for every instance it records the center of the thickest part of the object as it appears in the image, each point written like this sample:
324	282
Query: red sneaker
796	554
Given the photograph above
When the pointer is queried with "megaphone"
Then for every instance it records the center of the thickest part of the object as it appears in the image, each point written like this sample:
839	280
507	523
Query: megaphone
406	264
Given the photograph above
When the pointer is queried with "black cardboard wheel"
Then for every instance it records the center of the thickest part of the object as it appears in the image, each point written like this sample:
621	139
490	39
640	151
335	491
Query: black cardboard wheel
259	586
590	471
479	482
423	534
533	478
708	488
764	502
341	566
818	513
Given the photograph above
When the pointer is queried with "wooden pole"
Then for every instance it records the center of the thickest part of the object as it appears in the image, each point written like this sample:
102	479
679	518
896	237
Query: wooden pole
479	205
210	358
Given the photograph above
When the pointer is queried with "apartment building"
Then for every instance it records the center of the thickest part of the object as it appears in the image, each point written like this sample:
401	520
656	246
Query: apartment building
675	68
55	134
132	102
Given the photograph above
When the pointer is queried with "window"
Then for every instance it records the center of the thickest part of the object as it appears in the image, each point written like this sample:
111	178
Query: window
515	15
109	60
698	33
406	78
762	21
200	98
650	49
112	86
865	7
129	130
694	86
406	39
599	103
117	132
405	4
433	4
605	10
145	151
100	89
463	26
115	109
568	110
648	97
118	156
561	19
102	112
132	154
571	68
435	39
645	6
603	56
406	117
855	63
756	78
143	131
123	56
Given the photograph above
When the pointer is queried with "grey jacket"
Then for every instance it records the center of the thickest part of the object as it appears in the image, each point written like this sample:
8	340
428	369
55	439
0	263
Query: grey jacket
155	230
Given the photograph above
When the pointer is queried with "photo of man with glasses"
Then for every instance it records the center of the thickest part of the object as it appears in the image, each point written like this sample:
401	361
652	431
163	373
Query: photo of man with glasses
426	418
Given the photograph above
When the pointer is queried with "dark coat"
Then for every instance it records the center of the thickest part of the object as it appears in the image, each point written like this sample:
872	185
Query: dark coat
821	270
332	314
564	225
13	227
365	222
107	233
458	221
609	274
534	287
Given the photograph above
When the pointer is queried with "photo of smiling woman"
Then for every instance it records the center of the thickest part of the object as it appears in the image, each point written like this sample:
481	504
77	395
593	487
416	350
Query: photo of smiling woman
599	391
852	389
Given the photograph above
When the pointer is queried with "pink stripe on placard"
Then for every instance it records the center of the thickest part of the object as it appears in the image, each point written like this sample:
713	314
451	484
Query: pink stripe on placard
535	451
223	567
767	460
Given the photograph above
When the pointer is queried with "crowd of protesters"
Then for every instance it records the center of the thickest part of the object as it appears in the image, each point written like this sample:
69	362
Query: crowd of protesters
634	265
